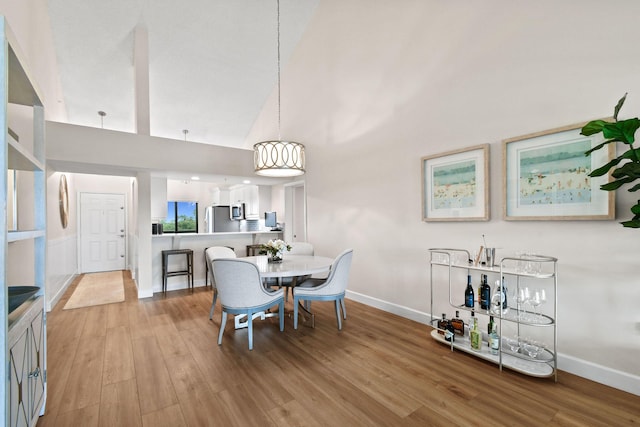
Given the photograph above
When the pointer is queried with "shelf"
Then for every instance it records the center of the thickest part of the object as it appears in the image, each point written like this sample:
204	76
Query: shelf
520	363
15	236
20	158
512	315
497	270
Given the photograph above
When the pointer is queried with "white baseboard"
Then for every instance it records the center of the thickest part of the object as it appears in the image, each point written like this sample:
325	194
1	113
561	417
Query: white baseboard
53	299
591	371
600	374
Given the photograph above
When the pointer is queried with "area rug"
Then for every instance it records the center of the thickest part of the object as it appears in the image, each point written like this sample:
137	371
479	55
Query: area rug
97	289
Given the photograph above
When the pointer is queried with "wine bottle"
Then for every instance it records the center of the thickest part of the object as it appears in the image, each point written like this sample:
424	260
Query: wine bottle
468	293
485	293
458	324
475	336
490	325
503	294
494	340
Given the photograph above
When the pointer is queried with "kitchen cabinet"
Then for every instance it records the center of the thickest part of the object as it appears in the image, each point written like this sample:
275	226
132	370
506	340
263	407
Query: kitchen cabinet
23	246
250	196
527	339
158	199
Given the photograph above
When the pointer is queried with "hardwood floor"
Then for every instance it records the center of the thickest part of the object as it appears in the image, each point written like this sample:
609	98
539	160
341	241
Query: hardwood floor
155	362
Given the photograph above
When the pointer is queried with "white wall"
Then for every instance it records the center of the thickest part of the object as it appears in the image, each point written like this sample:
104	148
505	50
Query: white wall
394	81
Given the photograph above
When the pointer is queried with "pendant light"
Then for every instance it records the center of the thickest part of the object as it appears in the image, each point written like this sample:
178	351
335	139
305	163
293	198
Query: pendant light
278	158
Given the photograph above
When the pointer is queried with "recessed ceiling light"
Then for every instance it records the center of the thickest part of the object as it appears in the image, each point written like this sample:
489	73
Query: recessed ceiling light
246	181
195	178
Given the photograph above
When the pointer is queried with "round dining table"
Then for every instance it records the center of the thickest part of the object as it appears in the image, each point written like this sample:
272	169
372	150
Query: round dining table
291	265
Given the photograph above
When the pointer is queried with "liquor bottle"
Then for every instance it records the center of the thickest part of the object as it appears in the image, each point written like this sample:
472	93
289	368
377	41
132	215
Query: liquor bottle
471	320
475	336
494	340
503	294
458	324
445	328
485	293
468	293
490	325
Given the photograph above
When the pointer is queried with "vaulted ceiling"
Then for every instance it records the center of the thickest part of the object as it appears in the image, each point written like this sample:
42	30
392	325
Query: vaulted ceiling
212	63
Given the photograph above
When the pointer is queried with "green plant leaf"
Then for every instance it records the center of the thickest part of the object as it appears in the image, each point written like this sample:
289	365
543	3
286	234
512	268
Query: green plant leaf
634	223
614	185
593	127
618	107
634	188
599	146
623	131
604	169
630	169
636	210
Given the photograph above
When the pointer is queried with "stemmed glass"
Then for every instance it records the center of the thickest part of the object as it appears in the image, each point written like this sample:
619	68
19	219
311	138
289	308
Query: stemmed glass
513	343
538	297
522	297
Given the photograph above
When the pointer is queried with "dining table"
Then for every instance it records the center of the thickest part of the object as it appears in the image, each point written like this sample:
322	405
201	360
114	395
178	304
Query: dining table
293	266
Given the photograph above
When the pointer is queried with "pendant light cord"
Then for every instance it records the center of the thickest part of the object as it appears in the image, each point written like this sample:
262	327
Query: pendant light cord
278	13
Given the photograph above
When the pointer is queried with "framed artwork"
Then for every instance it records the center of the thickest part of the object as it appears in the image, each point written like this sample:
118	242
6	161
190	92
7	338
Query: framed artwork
546	176
455	185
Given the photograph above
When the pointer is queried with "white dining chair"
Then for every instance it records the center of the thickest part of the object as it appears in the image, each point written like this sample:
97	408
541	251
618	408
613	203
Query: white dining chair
330	289
241	292
215	252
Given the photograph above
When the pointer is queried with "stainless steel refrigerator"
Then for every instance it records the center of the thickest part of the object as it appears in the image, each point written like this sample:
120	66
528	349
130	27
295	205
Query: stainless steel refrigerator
218	219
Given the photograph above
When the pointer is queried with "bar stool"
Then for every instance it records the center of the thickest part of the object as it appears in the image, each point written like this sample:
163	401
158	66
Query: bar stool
206	267
253	250
165	266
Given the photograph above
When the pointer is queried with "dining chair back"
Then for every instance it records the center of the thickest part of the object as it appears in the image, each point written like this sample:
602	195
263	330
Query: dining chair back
332	288
215	252
301	248
241	292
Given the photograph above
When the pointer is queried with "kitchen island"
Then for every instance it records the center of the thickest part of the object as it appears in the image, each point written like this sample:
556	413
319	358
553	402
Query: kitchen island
198	242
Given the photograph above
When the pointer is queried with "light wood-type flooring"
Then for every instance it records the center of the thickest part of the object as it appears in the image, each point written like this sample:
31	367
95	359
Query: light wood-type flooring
155	362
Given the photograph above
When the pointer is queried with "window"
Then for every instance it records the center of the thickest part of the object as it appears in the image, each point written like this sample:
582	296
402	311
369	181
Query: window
182	217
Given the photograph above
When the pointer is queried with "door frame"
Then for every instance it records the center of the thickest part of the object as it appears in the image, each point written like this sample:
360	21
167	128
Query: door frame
289	210
79	226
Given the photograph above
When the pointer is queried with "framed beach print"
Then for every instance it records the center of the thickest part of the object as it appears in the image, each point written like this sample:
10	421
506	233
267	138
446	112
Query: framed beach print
546	176
455	185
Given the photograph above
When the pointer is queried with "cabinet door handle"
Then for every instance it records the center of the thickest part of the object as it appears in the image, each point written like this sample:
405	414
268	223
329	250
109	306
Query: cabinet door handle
35	373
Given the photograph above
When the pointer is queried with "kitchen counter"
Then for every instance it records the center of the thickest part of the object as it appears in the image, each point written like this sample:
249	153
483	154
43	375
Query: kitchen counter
198	242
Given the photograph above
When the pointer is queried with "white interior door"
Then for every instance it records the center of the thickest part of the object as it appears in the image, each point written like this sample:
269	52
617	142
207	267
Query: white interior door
102	232
295	212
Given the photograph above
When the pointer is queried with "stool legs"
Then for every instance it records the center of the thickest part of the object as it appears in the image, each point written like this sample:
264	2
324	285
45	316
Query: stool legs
165	267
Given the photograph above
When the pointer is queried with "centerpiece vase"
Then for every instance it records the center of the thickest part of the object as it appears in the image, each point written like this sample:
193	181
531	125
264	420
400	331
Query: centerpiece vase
276	257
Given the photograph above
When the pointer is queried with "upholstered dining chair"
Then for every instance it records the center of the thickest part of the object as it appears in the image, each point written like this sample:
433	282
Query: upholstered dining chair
330	289
215	252
241	291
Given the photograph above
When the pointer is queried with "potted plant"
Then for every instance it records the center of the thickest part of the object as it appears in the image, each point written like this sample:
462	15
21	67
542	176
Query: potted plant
275	249
625	169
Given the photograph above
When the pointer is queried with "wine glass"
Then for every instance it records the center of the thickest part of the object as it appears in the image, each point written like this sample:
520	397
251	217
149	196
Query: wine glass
513	343
531	347
538	297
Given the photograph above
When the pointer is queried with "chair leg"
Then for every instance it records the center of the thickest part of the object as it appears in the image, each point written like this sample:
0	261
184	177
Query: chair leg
338	314
223	323
344	309
281	315
295	312
213	304
250	329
